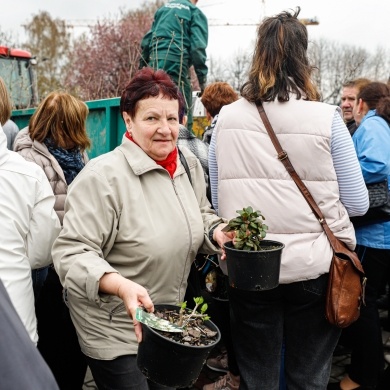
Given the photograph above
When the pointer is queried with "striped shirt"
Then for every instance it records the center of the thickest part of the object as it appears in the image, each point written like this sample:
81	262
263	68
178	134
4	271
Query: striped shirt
349	176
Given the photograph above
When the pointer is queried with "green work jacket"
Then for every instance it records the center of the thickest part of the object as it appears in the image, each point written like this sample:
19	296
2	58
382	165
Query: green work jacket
179	33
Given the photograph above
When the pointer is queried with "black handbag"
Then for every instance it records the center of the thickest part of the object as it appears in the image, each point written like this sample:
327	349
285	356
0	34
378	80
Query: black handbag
378	194
379	210
205	273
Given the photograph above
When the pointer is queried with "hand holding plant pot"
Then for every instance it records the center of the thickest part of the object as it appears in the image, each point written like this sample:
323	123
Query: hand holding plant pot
221	236
253	263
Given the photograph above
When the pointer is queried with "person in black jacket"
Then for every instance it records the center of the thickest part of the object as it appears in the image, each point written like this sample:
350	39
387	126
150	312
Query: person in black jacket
348	100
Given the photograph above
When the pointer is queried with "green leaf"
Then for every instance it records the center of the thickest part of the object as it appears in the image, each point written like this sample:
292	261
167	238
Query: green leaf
238	244
249	228
198	300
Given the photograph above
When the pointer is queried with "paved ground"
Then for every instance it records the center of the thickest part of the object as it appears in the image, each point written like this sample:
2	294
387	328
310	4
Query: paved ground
340	363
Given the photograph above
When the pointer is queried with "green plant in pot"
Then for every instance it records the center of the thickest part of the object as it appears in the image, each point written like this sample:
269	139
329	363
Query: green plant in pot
253	263
175	358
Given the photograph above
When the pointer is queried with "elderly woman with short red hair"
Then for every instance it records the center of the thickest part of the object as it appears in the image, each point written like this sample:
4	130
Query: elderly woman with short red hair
132	228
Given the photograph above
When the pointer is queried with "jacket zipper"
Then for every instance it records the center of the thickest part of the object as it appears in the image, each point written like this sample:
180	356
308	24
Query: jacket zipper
188	227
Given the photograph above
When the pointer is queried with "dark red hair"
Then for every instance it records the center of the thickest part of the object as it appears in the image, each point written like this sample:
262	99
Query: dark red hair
147	83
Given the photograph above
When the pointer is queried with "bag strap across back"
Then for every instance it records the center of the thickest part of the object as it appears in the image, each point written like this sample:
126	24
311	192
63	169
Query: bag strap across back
185	164
335	243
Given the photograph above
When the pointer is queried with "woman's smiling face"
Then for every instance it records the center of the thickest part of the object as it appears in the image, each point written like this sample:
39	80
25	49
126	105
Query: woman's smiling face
155	127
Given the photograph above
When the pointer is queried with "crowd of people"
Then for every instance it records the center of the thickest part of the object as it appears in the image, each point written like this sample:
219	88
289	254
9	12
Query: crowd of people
85	243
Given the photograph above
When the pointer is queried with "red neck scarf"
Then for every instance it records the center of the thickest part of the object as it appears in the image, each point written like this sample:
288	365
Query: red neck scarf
170	163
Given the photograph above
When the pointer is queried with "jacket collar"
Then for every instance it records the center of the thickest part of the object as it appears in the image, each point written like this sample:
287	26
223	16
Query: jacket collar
369	114
140	162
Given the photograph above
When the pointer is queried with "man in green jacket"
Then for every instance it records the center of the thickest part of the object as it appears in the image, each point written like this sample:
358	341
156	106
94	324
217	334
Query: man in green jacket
178	39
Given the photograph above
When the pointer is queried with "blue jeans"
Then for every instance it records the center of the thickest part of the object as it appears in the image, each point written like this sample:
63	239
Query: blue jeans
38	278
293	313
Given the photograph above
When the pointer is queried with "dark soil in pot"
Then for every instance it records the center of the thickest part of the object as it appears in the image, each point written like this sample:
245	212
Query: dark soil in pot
175	359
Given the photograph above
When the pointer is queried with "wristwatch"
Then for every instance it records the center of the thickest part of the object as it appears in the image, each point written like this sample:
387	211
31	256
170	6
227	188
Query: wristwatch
211	233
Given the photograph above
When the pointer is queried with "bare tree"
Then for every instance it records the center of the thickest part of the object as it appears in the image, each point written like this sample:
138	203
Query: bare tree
377	67
104	60
238	69
234	71
217	70
48	40
7	39
334	64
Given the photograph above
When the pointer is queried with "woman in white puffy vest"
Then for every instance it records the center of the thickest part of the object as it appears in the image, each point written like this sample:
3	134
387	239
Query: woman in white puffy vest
249	173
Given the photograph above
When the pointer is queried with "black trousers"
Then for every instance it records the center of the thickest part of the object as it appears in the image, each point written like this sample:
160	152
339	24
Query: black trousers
121	373
220	314
58	342
365	335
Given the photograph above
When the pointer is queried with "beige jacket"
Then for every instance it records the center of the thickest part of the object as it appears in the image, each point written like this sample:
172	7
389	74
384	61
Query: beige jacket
37	152
249	173
125	214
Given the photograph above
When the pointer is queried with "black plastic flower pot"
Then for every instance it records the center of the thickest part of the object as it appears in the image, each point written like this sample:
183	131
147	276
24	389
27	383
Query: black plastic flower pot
168	362
254	270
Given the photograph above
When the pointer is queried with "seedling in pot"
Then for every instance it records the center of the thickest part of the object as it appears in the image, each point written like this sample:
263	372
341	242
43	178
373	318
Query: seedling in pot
186	317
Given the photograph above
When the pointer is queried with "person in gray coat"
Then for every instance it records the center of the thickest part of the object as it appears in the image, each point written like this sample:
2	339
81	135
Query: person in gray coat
21	365
10	128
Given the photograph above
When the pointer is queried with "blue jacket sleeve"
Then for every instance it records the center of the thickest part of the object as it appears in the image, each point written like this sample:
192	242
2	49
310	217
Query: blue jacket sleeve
372	144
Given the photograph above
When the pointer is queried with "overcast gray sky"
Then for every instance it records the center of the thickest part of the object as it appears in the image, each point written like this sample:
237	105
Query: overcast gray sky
363	23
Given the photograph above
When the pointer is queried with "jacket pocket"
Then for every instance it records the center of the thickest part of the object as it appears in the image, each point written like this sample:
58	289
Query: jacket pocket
116	310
